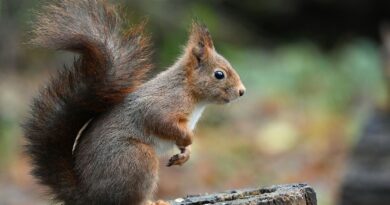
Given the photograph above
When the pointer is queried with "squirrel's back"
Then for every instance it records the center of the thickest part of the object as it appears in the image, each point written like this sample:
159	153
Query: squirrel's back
110	66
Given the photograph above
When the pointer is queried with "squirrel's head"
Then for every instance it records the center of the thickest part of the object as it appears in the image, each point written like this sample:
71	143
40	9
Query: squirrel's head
210	75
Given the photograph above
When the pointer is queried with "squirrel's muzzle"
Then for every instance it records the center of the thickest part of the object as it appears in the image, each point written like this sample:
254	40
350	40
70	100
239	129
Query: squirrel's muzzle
241	90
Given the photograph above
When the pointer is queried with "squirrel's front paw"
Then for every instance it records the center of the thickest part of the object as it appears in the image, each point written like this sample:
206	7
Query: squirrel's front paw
179	159
184	141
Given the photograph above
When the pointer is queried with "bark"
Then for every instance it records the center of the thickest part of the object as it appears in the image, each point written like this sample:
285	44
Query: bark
297	194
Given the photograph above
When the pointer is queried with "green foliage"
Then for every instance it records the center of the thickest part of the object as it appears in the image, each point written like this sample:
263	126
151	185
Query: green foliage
303	73
8	133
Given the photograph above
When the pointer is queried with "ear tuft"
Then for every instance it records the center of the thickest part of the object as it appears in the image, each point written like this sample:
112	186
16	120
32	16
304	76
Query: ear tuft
200	34
200	42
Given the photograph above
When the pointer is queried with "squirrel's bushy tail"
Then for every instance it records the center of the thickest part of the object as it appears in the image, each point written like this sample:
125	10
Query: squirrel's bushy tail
111	64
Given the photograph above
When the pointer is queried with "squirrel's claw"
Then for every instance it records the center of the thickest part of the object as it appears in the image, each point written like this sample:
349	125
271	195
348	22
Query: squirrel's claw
179	159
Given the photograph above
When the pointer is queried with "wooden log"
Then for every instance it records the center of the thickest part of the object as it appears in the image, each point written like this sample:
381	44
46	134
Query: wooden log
294	194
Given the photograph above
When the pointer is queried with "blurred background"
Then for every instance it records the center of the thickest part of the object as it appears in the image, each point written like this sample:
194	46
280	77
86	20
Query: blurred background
315	73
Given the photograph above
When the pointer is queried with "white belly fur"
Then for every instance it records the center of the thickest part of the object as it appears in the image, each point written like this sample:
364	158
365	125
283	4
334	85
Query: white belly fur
196	114
165	147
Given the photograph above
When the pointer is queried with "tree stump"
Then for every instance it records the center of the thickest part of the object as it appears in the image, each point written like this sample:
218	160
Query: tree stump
294	194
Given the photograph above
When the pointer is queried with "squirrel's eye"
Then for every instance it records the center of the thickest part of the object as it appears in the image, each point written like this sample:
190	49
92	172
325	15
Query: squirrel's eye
219	75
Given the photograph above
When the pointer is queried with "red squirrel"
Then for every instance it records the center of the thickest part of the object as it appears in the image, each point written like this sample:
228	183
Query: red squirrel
97	128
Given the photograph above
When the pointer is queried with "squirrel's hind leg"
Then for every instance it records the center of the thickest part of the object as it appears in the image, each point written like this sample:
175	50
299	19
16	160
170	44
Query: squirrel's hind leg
124	171
139	165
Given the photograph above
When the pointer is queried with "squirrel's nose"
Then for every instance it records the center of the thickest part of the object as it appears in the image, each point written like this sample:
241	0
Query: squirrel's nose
241	92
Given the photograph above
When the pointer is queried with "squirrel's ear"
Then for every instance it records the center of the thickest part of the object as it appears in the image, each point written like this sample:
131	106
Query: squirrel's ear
200	43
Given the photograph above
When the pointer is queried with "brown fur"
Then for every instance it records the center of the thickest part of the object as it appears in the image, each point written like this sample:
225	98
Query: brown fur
116	157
